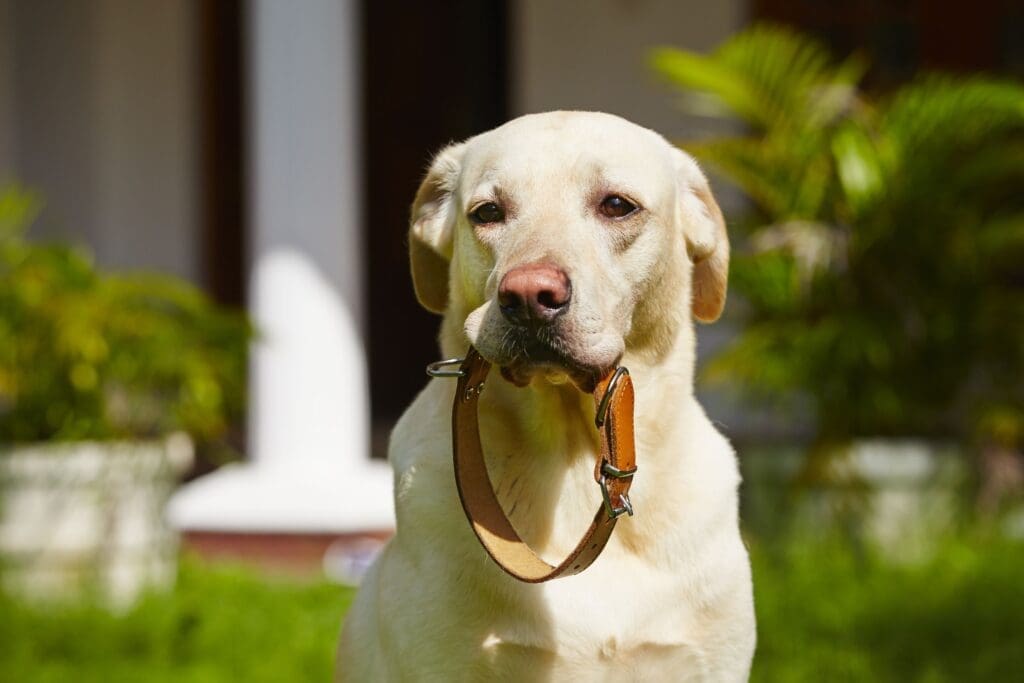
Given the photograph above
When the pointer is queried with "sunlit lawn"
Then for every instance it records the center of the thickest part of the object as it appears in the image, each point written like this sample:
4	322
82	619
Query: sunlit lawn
825	613
828	614
220	624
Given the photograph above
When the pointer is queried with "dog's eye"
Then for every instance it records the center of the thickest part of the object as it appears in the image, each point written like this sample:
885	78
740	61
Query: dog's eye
614	206
487	213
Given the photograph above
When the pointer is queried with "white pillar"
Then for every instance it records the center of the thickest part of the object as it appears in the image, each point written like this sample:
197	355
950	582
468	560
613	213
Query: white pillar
309	418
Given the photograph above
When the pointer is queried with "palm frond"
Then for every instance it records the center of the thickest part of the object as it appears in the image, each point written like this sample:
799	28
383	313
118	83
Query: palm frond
751	165
1002	238
860	167
768	76
786	178
916	201
939	115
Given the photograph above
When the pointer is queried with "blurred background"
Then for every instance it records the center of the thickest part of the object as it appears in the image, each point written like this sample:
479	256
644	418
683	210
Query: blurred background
207	326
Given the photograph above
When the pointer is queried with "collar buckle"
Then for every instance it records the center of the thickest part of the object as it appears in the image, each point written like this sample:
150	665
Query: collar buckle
610	471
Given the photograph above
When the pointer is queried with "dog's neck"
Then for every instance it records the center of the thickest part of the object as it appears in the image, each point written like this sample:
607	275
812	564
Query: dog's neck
547	486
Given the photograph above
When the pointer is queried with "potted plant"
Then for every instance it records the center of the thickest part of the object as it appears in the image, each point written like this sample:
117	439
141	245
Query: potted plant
879	273
104	378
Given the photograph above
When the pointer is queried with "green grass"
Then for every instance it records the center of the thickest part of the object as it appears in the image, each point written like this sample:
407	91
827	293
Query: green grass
828	613
219	624
825	613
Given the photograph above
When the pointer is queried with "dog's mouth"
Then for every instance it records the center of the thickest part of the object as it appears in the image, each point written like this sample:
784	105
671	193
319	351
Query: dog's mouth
546	356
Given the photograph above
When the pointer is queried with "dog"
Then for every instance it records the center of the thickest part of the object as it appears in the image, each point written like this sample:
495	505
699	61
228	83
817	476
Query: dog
561	245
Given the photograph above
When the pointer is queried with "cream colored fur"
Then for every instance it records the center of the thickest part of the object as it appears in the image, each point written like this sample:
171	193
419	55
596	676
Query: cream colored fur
670	599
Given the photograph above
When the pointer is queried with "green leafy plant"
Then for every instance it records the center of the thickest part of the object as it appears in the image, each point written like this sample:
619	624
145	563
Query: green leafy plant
90	355
880	270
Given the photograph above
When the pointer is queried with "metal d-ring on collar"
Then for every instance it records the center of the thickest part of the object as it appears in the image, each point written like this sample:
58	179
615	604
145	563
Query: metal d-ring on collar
602	407
437	368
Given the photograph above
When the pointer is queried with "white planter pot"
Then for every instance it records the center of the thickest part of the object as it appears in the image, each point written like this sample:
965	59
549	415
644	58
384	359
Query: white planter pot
88	518
899	495
907	489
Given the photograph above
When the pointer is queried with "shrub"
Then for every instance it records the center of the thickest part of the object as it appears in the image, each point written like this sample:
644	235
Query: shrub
91	355
880	272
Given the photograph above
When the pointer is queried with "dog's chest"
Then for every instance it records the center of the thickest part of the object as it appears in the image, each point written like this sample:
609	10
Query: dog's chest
602	621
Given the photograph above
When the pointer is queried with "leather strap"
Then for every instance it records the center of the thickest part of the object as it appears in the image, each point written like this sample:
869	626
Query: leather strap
614	473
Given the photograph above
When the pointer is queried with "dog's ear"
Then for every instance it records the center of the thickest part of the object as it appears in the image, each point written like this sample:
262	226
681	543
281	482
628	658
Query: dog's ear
430	229
706	240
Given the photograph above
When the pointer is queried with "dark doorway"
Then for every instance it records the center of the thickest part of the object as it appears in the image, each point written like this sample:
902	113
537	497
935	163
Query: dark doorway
432	73
221	149
220	64
905	37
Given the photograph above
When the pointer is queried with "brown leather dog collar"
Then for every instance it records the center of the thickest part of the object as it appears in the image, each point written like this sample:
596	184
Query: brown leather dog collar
616	464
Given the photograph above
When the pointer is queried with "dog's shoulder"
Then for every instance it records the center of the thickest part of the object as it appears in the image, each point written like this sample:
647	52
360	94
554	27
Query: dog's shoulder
420	454
422	434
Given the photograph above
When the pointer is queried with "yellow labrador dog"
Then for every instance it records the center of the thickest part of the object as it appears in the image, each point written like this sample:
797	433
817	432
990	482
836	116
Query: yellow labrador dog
561	245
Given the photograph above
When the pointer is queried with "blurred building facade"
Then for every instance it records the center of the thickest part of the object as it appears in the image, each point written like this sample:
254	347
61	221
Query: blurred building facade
99	112
269	151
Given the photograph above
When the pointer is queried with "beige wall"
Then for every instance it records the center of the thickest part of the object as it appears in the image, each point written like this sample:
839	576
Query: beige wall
6	86
97	112
591	54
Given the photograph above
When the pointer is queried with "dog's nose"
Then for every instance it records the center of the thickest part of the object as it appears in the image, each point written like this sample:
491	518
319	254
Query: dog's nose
535	293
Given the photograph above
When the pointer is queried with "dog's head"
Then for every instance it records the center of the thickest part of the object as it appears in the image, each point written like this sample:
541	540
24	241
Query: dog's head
559	240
